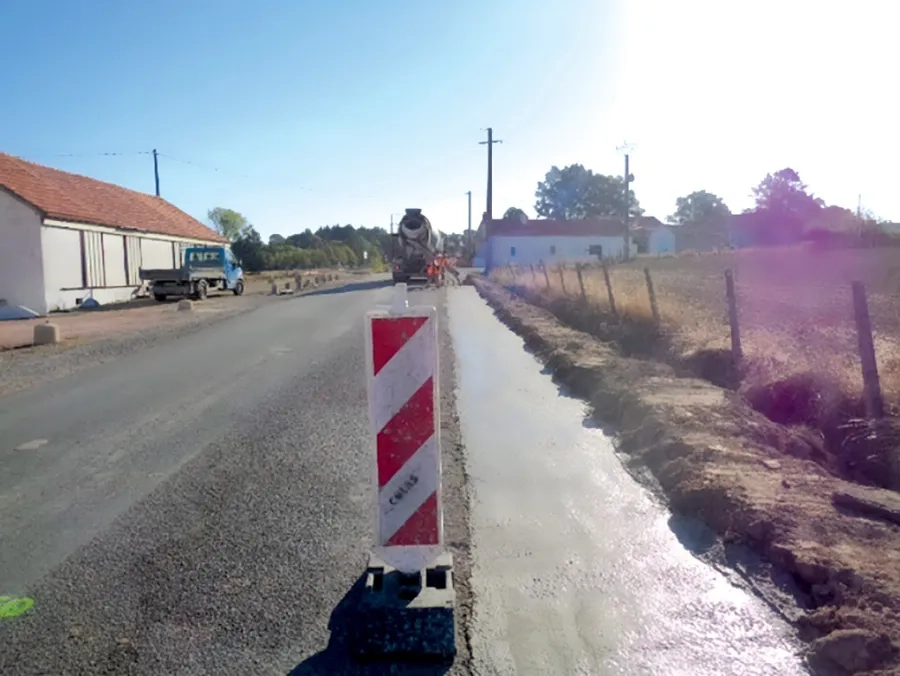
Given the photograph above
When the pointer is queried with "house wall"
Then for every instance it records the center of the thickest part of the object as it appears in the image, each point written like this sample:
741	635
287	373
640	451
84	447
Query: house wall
662	240
525	250
21	265
85	261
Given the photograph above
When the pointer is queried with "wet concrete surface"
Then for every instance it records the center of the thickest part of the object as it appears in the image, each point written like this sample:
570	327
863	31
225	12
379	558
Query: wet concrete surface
575	568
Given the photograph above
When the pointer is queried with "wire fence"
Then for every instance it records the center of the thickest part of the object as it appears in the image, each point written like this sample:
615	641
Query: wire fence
789	311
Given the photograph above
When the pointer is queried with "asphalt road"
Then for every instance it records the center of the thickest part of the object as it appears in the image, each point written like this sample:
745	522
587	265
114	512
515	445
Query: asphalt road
576	568
201	506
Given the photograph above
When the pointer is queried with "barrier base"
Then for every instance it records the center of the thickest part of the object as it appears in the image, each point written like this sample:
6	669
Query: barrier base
407	616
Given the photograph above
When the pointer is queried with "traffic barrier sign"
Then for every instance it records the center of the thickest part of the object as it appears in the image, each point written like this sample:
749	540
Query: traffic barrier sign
404	412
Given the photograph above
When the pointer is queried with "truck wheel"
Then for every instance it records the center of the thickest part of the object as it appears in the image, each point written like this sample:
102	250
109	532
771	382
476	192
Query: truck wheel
239	288
201	290
159	297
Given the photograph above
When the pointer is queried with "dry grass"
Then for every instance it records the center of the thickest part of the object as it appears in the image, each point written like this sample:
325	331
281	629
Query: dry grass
795	312
794	305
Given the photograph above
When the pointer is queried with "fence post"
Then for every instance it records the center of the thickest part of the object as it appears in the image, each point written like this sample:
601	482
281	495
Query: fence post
609	291
512	272
580	282
546	274
737	352
650	292
533	274
562	279
871	385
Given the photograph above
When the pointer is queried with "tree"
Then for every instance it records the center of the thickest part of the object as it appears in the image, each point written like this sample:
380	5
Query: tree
784	195
574	192
515	214
700	208
228	223
250	250
276	239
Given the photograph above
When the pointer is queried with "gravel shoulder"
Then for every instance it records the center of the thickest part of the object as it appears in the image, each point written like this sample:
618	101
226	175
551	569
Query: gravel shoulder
830	568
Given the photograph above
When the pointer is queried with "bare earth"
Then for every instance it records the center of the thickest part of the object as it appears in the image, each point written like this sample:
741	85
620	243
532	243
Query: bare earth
824	551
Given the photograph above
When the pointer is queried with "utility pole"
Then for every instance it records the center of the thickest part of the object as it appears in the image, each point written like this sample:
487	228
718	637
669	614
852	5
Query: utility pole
490	177
469	240
489	212
626	149
156	170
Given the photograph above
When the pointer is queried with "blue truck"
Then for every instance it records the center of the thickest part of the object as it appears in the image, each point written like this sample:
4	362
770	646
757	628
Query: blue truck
205	268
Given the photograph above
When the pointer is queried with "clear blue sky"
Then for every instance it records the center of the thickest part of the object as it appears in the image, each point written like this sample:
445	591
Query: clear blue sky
322	111
314	112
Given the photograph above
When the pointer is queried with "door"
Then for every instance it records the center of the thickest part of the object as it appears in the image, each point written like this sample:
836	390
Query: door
232	270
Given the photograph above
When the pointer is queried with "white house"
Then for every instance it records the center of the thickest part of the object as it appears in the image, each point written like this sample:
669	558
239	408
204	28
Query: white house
658	238
551	241
65	237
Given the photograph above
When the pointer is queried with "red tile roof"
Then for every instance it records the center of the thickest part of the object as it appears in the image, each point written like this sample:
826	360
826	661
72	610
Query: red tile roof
70	197
597	227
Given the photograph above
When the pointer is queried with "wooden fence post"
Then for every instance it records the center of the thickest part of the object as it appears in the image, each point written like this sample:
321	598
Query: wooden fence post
533	274
737	352
650	292
580	281
609	291
562	280
871	385
546	274
512	272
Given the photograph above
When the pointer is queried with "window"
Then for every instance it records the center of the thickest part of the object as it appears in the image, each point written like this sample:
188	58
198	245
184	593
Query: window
200	257
552	249
512	252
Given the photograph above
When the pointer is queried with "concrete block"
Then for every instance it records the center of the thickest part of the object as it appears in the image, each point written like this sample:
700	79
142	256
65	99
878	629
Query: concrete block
407	616
46	334
185	304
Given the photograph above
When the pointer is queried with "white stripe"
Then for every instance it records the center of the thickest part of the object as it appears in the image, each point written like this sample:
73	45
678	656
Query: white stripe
423	466
403	375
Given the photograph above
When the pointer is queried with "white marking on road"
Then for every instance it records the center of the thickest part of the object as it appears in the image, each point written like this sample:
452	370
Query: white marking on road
32	445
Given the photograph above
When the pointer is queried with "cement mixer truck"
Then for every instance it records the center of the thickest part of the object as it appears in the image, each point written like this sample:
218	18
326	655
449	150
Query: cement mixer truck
416	243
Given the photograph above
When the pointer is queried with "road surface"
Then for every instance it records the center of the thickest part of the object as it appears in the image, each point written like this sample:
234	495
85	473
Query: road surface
202	507
576	569
199	507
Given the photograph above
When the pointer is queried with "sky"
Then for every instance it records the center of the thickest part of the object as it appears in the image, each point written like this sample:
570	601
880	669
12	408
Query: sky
304	113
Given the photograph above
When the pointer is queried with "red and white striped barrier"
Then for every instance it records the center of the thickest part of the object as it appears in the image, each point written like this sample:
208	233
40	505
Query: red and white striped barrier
404	411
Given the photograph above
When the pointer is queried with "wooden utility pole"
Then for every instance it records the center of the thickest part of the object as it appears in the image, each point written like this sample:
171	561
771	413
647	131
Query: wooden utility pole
490	171
626	149
156	170
470	240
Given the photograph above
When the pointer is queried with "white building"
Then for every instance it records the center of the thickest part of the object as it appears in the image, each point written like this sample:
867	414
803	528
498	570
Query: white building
65	237
551	242
656	237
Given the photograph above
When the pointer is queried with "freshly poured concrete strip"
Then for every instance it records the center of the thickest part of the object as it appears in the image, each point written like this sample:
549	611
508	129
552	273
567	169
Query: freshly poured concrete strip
576	569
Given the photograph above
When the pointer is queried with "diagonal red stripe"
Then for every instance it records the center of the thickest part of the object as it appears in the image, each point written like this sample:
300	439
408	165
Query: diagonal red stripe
421	528
389	335
406	432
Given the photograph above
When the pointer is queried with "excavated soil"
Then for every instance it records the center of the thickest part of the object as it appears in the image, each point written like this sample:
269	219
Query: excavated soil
830	547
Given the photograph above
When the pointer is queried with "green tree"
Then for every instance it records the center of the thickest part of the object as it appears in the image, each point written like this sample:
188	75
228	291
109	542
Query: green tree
228	222
700	208
783	195
515	214
276	239
574	192
250	250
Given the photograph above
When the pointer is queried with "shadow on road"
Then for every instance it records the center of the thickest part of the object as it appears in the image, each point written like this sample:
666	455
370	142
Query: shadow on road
348	288
336	657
